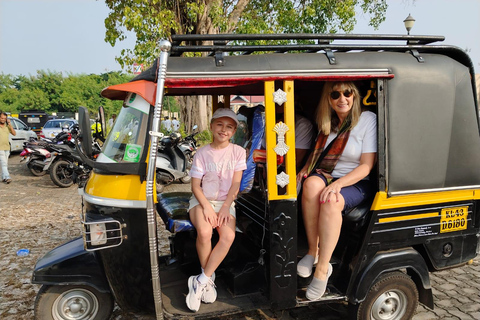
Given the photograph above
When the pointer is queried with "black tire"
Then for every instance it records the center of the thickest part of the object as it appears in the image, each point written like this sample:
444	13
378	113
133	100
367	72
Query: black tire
394	296
61	173
189	160
72	302
35	170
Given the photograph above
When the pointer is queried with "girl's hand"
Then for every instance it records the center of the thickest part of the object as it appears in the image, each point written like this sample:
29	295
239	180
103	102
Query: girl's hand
224	216
210	216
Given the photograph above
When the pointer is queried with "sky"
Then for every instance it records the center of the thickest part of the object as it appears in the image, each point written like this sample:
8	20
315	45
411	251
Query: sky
68	35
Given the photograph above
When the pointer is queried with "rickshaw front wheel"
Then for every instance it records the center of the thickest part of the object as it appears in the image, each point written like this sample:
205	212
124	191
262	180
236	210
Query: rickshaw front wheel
72	302
394	296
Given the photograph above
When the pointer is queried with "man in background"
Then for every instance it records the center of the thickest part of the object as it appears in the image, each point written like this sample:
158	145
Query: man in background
5	129
175	124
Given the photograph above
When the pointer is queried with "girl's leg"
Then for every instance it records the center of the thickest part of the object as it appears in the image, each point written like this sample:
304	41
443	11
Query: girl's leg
328	226
312	187
204	234
226	236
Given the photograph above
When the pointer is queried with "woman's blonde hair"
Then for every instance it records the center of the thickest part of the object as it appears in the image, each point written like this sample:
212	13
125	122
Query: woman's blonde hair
327	119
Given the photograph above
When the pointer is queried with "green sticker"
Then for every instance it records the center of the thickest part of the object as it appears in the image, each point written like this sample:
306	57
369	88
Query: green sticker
132	152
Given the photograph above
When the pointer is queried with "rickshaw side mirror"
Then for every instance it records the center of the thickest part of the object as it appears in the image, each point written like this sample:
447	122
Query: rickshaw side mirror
86	131
101	115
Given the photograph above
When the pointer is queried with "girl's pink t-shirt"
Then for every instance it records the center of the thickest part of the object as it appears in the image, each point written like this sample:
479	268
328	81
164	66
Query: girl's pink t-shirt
224	162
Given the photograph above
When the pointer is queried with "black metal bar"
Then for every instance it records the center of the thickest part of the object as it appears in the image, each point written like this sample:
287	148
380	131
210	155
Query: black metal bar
305	36
304	47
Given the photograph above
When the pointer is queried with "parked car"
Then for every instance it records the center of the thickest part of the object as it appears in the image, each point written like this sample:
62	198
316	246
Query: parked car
55	126
23	134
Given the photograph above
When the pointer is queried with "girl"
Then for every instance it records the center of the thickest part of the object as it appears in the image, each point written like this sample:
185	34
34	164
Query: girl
216	174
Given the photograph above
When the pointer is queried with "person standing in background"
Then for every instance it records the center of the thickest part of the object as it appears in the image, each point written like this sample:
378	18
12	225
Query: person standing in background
111	121
5	129
175	124
167	124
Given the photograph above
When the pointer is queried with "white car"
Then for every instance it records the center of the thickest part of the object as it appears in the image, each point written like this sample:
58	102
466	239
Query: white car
23	134
55	126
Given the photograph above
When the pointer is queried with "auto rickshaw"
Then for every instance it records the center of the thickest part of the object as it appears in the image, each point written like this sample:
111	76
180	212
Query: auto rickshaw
424	217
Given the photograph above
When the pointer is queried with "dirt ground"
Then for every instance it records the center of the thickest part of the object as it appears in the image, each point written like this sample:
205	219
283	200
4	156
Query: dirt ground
38	216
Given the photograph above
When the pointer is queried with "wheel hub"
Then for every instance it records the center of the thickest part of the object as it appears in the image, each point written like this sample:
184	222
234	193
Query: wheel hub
389	306
77	304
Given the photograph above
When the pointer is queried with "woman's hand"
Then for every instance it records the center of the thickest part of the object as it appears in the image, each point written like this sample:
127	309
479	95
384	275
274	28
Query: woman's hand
302	174
331	192
224	216
210	216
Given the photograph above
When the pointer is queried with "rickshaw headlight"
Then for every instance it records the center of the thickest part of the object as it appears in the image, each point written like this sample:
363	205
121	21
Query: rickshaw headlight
98	234
102	234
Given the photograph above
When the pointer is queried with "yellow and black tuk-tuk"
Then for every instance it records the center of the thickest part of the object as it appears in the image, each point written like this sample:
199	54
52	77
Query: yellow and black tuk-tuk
424	217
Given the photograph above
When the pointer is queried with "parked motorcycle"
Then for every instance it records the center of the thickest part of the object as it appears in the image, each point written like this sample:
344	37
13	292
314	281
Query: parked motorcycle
174	159
37	153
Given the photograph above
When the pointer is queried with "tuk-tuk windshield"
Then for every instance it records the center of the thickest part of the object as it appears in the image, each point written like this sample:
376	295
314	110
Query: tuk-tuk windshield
126	139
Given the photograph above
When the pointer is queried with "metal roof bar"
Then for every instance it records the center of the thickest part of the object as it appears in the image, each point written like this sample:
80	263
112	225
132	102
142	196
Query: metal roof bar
306	36
323	42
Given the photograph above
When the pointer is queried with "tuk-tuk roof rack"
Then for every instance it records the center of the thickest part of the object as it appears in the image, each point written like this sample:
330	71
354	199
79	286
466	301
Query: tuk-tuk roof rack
324	42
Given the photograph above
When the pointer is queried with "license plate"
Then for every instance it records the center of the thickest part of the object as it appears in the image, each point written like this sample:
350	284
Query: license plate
453	219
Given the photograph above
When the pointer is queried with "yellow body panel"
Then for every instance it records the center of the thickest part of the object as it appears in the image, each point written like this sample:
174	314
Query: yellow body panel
124	187
270	138
382	202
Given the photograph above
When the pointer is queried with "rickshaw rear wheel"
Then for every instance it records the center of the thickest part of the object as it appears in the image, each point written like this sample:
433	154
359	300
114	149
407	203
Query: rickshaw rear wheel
72	302
394	296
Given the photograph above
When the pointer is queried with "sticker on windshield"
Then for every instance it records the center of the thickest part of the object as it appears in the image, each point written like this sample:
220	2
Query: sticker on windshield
132	153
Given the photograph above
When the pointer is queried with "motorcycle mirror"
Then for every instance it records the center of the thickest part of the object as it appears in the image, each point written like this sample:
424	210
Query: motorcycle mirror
194	127
84	123
101	115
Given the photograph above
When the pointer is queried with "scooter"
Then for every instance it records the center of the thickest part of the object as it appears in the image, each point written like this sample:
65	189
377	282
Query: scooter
174	159
37	153
66	167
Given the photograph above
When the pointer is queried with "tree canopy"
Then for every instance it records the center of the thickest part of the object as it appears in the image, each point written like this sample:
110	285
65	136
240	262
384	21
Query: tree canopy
153	20
53	92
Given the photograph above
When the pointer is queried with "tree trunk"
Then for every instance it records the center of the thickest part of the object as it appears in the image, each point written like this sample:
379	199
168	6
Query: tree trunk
196	110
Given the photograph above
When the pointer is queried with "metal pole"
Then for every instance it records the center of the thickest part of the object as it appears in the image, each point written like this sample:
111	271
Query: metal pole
165	47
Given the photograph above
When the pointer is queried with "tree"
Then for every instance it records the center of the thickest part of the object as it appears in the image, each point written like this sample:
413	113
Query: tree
52	92
153	20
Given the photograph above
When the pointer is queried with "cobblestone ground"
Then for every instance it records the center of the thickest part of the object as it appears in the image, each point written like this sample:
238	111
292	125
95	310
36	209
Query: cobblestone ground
37	215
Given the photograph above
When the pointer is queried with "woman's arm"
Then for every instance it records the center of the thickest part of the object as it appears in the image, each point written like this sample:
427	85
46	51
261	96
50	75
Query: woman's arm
224	215
367	161
208	212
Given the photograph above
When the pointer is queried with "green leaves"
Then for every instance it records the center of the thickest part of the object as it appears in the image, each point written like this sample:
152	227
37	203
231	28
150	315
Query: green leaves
152	20
52	92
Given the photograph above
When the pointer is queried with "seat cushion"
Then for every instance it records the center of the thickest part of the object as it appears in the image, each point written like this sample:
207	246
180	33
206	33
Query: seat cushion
173	209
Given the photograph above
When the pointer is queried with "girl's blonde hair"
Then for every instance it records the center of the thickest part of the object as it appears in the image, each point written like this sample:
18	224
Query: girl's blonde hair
327	119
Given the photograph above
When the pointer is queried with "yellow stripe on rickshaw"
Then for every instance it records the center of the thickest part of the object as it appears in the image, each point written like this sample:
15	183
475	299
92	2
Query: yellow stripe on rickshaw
383	202
409	217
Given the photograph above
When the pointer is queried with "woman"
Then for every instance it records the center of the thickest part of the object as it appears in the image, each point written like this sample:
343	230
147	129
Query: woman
339	181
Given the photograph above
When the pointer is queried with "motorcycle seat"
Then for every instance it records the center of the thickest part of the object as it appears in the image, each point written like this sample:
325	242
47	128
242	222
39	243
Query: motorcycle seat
173	209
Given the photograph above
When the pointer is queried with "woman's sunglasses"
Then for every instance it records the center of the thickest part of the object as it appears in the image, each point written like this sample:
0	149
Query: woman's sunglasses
336	94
